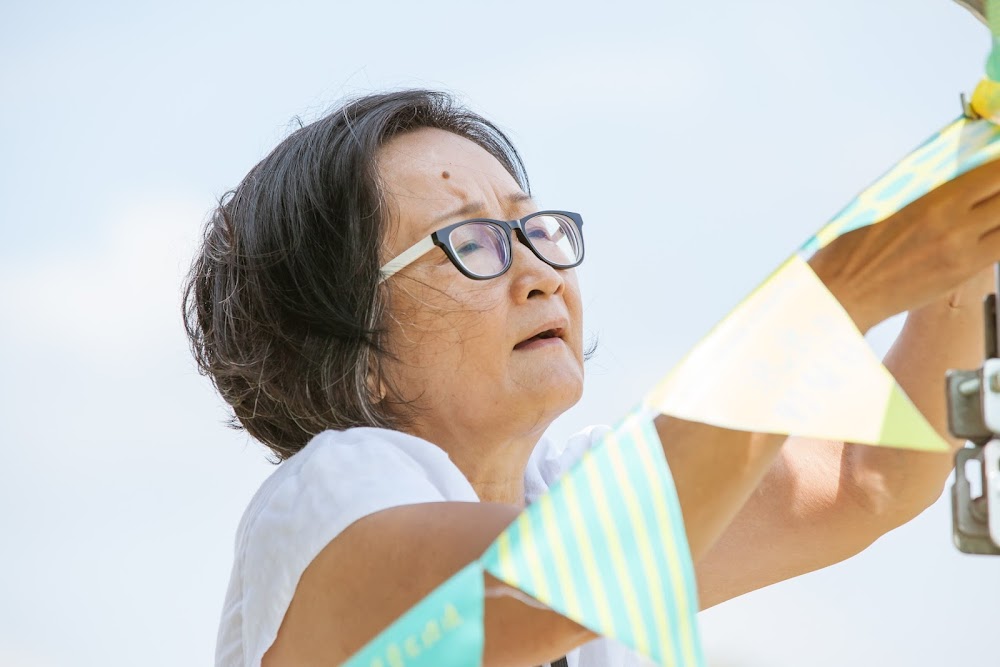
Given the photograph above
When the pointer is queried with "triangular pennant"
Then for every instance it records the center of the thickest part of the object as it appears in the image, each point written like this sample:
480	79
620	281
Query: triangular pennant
445	629
606	547
789	360
901	425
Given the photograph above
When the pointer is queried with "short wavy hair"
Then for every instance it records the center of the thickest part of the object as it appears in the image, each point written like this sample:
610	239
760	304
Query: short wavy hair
282	306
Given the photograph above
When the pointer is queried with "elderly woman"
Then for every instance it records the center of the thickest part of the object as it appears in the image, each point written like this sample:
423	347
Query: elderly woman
387	308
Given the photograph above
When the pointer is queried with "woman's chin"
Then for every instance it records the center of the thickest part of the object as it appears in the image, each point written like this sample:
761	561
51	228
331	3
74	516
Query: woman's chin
556	388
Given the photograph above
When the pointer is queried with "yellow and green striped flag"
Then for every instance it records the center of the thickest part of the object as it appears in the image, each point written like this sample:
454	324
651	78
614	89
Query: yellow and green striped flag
606	547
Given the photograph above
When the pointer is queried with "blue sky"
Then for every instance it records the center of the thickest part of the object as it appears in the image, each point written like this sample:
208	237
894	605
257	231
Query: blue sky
702	142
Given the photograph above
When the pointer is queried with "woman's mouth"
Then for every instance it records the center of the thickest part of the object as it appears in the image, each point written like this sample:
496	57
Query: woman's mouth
541	339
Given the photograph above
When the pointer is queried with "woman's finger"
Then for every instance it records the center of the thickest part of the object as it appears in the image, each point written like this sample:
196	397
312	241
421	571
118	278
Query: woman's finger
974	188
986	200
985	217
989	247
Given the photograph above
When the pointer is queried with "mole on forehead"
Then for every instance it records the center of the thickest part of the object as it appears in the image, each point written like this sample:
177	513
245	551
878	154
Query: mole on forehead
445	174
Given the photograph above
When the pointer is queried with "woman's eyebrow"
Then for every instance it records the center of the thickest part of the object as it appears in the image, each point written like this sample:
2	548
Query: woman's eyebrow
461	212
517	198
474	207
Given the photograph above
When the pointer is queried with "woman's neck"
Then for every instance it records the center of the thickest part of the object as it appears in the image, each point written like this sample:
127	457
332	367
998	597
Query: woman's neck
493	466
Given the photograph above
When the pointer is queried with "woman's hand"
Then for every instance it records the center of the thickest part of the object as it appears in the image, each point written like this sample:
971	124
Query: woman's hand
920	253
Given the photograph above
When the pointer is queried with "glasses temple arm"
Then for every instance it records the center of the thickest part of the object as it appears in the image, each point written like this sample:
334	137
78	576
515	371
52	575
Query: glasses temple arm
405	258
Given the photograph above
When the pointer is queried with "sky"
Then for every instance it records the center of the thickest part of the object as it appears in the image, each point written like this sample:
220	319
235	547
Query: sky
703	142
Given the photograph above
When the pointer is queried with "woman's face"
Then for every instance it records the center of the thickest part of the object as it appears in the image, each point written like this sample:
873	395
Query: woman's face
468	355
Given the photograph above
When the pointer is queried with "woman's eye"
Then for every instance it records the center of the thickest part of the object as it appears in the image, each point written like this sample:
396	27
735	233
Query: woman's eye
543	234
468	248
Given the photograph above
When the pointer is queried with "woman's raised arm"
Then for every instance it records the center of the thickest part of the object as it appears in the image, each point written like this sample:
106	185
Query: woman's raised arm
824	501
820	502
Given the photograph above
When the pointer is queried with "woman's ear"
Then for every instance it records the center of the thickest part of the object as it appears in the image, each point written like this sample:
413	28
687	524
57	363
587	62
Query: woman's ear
375	384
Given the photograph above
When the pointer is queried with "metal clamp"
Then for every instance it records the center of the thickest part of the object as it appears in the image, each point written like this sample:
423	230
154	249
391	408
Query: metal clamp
976	520
974	415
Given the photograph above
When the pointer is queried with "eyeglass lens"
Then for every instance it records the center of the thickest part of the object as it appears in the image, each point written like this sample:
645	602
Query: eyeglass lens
483	249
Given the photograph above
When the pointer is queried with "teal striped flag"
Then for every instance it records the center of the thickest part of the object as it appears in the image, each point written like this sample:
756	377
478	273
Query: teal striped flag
606	547
445	629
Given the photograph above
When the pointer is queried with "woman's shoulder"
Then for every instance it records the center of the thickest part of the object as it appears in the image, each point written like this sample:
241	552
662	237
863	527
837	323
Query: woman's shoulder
337	479
340	473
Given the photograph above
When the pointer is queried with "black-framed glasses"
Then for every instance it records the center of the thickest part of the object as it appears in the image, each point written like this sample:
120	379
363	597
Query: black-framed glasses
481	248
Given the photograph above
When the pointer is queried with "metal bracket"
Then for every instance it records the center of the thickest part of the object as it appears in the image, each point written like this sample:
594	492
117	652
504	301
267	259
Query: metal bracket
990	384
965	406
976	521
974	415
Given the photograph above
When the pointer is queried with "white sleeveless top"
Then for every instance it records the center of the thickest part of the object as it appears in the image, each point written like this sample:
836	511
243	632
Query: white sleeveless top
338	478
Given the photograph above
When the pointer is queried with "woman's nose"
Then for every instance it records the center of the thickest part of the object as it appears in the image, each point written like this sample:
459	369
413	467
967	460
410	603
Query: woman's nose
532	277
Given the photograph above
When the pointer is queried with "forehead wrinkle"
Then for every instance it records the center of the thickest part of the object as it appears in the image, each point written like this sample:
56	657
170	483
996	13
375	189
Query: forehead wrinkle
462	169
428	187
477	178
434	161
